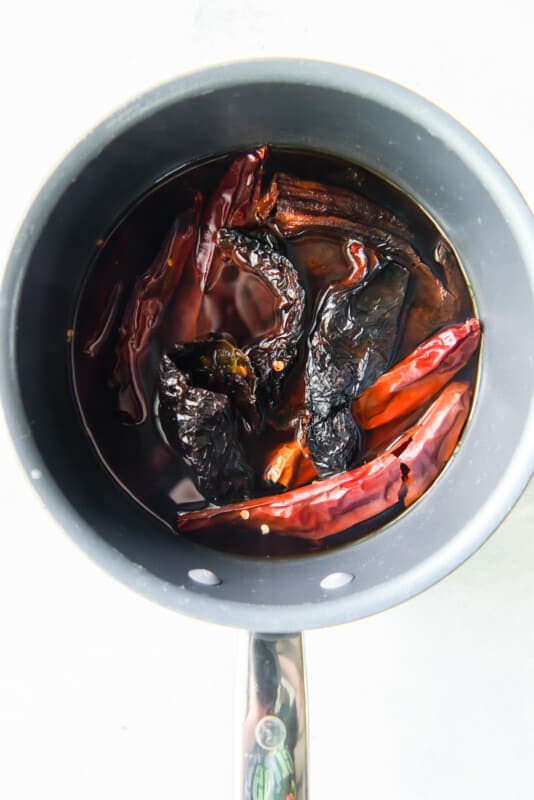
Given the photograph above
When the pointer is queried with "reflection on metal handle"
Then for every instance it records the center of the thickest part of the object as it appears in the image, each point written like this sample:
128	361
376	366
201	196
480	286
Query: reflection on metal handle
274	731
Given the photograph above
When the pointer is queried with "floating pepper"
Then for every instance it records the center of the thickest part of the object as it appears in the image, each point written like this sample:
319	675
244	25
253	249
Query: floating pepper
275	353
318	199
425	449
201	426
233	202
215	363
400	475
149	299
353	342
418	377
314	511
289	465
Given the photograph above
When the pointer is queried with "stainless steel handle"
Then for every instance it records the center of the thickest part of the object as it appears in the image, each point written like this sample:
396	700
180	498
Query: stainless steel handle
274	730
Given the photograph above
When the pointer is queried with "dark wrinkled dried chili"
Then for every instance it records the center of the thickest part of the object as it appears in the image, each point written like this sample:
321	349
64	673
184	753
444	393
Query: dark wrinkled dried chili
200	424
216	364
352	343
275	353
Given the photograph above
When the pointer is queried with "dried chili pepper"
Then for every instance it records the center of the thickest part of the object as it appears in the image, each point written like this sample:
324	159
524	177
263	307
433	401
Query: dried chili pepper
352	343
289	465
200	424
427	446
418	377
314	511
144	312
423	317
401	474
433	304
323	257
319	199
275	353
215	363
233	203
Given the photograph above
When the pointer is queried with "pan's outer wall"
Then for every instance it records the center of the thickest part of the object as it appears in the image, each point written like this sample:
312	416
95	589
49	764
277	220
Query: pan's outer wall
287	103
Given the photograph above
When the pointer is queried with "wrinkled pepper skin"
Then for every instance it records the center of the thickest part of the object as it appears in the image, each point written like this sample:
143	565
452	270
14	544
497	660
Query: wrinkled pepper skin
352	343
144	312
427	447
418	377
312	197
435	302
400	474
315	511
289	465
201	426
232	204
216	364
273	356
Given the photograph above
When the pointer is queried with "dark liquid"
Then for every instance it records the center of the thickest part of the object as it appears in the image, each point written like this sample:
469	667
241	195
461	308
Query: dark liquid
137	456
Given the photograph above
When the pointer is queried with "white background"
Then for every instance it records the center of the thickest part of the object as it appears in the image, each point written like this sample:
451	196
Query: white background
103	694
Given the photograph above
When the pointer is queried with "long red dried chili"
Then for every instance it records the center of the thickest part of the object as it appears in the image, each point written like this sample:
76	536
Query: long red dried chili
313	197
418	377
402	473
431	442
233	202
144	311
314	511
289	465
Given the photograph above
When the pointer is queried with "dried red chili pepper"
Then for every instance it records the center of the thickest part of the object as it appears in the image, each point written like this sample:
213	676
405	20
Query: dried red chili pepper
401	474
312	197
314	511
274	354
427	446
232	204
418	377
200	425
150	296
353	342
289	465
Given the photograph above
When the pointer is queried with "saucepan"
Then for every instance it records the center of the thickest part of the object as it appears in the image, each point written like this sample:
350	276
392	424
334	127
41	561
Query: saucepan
420	149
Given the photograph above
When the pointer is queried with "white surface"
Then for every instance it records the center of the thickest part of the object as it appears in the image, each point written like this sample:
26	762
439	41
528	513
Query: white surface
105	695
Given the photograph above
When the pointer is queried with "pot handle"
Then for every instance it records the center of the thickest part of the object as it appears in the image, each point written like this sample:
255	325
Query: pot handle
274	731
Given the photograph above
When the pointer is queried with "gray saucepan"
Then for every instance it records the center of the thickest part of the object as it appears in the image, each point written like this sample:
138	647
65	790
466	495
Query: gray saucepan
424	152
